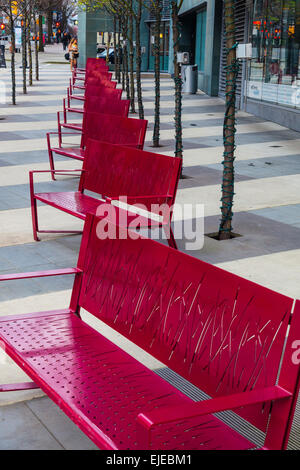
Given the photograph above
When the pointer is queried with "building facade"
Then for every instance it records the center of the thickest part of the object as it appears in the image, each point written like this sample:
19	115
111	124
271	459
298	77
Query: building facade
272	78
268	85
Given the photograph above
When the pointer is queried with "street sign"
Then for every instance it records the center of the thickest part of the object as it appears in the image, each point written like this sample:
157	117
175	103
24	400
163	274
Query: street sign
2	57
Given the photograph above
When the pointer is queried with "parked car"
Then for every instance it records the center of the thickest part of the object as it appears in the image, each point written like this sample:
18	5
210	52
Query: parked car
103	54
100	48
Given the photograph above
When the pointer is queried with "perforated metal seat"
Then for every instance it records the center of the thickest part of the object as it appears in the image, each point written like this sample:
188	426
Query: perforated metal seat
76	202
105	388
80	204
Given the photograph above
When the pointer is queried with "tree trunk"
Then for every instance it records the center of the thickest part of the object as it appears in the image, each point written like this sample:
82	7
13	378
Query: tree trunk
225	229
139	60
24	50
158	10
126	72
41	42
107	48
177	83
49	25
118	57
29	46
123	70
13	57
36	50
131	64
115	47
125	57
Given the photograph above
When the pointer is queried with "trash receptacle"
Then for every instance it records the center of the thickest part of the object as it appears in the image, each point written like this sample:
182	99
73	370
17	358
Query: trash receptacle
189	75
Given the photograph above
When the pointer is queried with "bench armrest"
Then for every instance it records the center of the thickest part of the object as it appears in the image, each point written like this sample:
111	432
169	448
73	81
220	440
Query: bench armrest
141	198
63	132
31	173
30	275
147	422
59	135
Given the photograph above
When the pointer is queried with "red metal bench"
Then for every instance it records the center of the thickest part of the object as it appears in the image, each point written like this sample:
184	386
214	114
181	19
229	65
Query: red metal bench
93	63
94	104
92	89
113	171
95	89
98	64
93	77
104	127
222	333
109	103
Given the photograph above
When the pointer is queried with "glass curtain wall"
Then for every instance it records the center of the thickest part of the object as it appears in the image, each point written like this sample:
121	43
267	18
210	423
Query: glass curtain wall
274	71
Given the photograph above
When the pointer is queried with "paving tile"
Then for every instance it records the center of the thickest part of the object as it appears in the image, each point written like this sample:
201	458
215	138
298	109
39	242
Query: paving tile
285	214
10	136
20	429
60	426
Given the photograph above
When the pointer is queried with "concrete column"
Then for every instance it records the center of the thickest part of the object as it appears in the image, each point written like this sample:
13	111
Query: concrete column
89	23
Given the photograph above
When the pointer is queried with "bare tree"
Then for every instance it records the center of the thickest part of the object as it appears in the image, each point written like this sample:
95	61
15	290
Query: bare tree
225	229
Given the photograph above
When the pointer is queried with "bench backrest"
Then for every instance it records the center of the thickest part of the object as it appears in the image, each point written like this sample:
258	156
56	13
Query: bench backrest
221	332
103	91
99	74
115	170
93	63
108	103
113	128
95	85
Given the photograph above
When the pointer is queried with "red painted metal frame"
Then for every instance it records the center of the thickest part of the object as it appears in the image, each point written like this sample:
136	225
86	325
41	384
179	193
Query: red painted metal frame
113	171
93	88
99	126
18	386
203	322
82	75
98	64
30	275
33	203
109	93
100	104
108	103
102	75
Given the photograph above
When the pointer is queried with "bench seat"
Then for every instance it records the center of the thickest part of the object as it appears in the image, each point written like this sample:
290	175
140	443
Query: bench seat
79	204
101	387
75	202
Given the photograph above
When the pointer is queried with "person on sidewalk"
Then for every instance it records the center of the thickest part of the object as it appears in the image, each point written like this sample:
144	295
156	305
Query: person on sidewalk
65	40
73	51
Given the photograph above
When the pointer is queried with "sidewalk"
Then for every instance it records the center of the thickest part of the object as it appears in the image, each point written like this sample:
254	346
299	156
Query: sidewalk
267	215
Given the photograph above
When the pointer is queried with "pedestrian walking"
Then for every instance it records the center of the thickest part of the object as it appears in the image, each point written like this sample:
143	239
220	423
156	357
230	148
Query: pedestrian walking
65	40
73	51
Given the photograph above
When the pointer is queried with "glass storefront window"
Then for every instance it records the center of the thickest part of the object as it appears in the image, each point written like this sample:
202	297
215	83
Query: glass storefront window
164	46
274	71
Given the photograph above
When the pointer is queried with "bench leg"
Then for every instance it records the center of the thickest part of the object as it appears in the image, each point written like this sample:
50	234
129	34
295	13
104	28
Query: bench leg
51	161
59	130
34	216
18	387
68	98
50	154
